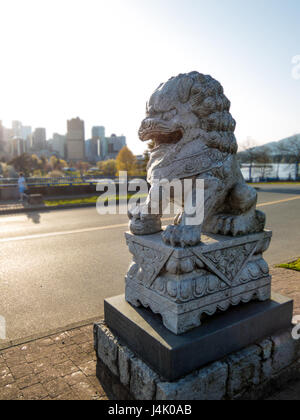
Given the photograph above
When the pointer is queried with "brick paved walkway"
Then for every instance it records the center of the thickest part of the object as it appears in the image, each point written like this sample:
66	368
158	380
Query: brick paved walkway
60	367
63	366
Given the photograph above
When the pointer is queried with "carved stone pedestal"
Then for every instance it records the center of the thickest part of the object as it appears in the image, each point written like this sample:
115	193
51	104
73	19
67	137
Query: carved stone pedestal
184	284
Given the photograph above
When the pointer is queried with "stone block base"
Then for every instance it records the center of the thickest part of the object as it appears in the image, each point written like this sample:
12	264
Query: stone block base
173	356
252	373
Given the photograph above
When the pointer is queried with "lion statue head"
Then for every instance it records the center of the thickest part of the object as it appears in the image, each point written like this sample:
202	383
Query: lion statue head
191	104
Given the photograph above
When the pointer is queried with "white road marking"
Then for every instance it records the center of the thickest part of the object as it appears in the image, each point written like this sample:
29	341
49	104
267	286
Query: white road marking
124	225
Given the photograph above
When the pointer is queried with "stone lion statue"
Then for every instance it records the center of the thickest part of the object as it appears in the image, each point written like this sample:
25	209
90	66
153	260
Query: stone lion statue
188	119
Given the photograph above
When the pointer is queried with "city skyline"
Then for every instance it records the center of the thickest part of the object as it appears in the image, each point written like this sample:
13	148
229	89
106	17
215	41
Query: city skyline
74	145
9	125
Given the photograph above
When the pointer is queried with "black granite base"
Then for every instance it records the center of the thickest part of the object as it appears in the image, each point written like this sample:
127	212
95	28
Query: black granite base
173	356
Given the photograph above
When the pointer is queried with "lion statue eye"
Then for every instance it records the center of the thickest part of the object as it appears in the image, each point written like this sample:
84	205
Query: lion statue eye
167	116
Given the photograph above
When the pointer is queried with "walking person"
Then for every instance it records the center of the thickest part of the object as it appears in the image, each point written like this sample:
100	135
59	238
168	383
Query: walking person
22	187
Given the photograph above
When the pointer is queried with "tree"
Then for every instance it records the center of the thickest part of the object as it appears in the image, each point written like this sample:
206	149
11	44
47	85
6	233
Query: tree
82	167
249	154
108	167
264	160
44	164
54	162
22	163
126	161
36	163
292	150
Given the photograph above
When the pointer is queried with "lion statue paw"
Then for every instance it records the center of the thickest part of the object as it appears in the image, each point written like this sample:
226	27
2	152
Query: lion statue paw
183	236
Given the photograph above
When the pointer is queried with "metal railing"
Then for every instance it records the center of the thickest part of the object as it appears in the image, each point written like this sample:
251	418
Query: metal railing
60	181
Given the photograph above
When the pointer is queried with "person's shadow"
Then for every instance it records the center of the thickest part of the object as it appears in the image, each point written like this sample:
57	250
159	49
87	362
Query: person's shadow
35	217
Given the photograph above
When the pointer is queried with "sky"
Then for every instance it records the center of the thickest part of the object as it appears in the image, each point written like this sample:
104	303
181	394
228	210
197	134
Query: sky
101	60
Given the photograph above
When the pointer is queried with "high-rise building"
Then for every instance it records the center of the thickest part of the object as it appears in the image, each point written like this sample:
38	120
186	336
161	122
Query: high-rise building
26	135
75	140
59	144
7	137
17	147
98	132
92	150
39	141
26	132
17	129
114	145
97	145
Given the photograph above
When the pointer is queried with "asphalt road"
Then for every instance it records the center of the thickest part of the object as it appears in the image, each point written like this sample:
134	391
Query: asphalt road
57	267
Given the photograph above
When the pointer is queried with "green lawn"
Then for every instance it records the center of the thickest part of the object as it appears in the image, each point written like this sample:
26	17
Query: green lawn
295	265
87	200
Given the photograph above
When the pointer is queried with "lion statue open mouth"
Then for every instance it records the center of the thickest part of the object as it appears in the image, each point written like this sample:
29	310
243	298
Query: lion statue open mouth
188	120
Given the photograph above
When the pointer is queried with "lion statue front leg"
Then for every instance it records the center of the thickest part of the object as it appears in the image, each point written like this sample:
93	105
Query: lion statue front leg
146	219
188	224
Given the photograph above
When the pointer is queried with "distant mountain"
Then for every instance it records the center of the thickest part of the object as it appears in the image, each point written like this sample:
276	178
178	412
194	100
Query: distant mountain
286	147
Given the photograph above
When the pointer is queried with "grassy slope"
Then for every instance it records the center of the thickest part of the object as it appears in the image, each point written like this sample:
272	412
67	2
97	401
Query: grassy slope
88	200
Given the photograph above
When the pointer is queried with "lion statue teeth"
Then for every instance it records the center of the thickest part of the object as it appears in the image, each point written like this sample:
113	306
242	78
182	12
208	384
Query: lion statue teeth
188	119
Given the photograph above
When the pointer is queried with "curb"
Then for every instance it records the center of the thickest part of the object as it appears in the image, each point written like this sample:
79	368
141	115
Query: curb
45	209
48	333
50	208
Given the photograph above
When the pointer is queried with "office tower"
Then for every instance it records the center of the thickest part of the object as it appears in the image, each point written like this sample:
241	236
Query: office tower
58	144
26	132
17	147
17	129
98	132
75	140
114	145
39	139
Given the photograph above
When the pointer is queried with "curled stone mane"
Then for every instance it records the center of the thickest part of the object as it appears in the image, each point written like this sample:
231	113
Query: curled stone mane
207	101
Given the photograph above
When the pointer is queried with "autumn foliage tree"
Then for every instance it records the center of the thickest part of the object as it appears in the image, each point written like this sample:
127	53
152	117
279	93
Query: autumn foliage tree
108	167
126	161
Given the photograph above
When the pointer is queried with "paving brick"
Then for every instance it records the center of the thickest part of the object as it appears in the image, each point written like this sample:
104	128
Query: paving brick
86	391
10	392
4	370
27	381
66	368
58	358
68	396
89	368
39	366
35	392
20	371
6	379
75	378
80	338
48	375
57	387
15	360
